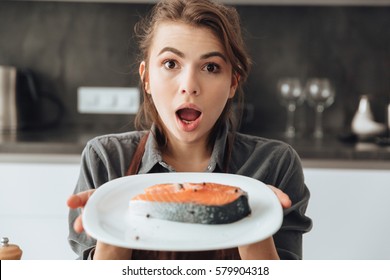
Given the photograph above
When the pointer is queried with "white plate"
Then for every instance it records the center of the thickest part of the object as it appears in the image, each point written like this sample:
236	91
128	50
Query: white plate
106	216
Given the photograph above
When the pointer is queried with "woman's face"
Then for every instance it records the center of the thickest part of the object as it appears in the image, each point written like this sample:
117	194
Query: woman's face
189	78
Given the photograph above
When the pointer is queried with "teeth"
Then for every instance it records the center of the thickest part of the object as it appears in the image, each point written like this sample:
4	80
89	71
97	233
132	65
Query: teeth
187	122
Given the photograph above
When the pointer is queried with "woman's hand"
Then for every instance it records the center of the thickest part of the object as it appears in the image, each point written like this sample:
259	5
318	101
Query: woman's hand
102	251
265	250
284	199
79	200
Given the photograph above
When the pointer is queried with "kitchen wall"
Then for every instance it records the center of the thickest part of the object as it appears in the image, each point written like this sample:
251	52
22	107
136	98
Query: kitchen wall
70	44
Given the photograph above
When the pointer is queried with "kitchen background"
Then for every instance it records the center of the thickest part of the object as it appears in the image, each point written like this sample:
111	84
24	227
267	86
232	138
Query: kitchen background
70	44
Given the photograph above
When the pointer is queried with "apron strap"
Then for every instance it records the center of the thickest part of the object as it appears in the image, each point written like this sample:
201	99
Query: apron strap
137	157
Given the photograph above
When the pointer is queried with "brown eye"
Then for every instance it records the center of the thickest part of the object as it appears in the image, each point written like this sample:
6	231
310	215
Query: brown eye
170	64
212	68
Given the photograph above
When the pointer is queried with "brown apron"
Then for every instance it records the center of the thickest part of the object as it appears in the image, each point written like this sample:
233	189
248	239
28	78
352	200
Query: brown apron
227	254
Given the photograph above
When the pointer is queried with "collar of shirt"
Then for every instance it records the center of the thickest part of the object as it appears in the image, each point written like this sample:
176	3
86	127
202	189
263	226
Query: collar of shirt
152	155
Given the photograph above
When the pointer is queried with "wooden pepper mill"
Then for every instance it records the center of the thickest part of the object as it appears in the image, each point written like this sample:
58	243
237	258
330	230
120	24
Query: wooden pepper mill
9	251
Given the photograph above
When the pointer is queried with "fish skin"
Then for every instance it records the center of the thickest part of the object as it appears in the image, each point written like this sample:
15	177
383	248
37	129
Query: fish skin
193	211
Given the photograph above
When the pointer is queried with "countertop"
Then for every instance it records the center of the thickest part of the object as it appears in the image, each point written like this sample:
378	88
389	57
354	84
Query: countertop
66	145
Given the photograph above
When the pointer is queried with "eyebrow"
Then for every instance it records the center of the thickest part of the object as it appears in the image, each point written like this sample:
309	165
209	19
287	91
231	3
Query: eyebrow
211	54
181	54
173	50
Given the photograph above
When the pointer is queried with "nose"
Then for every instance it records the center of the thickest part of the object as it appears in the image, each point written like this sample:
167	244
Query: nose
190	83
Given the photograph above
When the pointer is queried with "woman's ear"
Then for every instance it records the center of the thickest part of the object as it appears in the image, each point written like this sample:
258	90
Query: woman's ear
144	76
234	84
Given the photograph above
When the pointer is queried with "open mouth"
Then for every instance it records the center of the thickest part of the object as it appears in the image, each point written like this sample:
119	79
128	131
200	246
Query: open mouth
188	115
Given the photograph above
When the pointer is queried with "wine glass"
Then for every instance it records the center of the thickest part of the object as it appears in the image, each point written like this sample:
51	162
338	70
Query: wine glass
320	95
290	95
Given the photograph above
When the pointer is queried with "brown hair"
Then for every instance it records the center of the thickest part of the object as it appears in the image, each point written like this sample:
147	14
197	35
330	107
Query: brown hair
222	20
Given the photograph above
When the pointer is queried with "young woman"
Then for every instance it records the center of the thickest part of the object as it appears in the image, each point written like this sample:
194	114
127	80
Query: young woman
193	63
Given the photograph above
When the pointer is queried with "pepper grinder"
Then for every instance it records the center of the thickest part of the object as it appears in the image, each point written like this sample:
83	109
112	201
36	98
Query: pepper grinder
9	251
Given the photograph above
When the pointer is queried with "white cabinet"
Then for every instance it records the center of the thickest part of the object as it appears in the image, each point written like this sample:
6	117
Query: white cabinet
33	210
351	214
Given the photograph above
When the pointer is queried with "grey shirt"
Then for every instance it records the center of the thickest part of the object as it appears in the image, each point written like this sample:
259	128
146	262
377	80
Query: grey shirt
273	162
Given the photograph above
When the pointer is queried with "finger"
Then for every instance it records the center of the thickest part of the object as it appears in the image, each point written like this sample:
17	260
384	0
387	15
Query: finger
78	225
79	199
284	199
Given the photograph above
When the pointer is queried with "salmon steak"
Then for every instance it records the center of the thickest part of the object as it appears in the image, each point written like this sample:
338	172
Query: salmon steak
202	203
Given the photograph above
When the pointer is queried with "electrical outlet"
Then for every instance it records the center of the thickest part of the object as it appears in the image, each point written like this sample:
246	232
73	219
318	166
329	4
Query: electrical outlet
108	100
